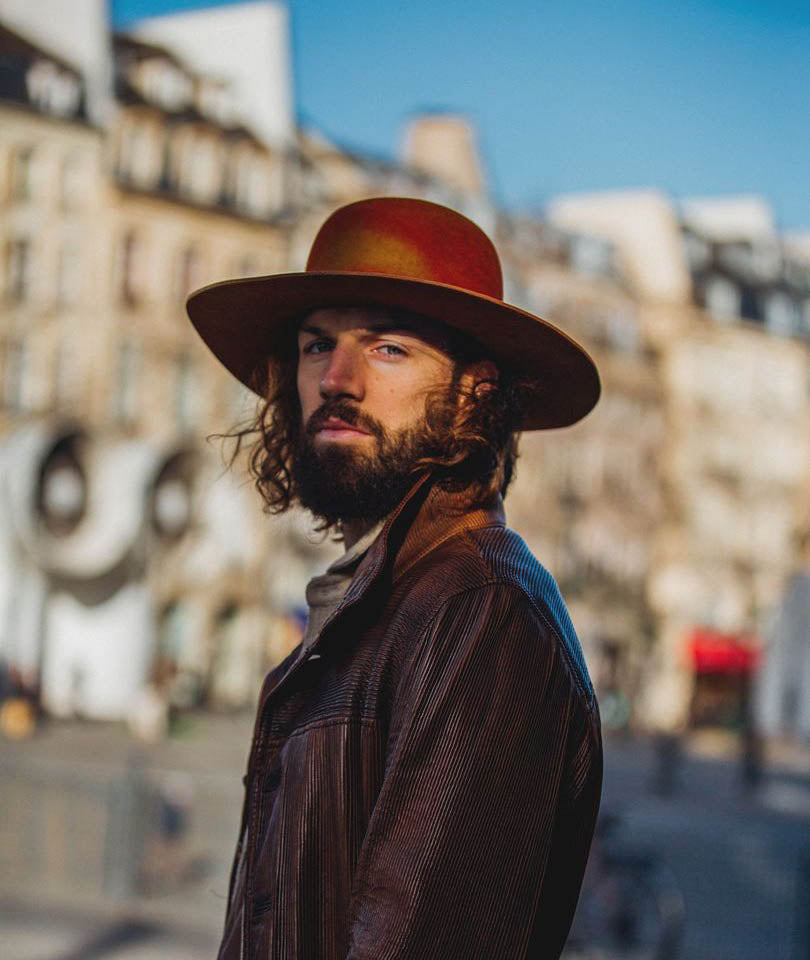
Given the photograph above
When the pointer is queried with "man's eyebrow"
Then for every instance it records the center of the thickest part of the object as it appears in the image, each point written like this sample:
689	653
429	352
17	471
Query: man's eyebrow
388	326
381	326
312	328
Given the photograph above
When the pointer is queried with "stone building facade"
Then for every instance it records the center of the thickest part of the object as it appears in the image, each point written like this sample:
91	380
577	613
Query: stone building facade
722	305
105	230
588	496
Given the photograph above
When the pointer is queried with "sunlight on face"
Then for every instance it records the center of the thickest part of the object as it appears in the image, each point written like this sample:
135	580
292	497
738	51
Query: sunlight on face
382	364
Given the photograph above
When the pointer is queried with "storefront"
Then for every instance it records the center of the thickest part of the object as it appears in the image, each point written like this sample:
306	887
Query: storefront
724	665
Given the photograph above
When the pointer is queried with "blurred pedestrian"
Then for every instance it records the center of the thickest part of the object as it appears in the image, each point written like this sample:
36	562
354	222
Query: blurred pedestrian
750	742
426	765
667	764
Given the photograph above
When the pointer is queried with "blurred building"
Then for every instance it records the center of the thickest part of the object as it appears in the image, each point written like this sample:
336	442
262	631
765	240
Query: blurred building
723	306
586	497
144	168
445	146
76	33
124	562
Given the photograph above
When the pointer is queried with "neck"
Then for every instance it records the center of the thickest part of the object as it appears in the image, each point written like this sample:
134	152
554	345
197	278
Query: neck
353	530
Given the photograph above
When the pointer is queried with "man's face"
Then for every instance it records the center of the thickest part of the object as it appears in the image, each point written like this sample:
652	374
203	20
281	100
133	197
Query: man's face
364	376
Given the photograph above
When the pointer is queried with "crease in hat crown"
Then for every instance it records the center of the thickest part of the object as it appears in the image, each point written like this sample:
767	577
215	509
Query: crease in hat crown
400	253
409	238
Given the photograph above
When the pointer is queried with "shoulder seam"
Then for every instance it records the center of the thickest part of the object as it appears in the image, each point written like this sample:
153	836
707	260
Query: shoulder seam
465	534
587	694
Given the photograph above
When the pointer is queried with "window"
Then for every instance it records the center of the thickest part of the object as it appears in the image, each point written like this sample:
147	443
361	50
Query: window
125	400
197	166
185	392
19	270
722	298
249	181
68	276
188	272
750	304
74	182
21	173
781	314
163	83
53	90
15	373
140	153
129	269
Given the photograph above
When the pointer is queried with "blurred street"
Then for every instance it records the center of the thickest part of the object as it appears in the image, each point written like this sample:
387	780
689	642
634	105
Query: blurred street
735	854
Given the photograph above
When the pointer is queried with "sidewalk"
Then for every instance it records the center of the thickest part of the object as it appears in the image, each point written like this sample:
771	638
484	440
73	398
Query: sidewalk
61	793
737	854
41	932
740	856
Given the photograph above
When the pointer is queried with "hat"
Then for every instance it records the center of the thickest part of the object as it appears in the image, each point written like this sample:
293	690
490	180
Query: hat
403	254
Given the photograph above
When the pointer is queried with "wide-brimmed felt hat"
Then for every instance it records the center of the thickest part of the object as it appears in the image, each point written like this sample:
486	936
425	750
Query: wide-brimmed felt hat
403	254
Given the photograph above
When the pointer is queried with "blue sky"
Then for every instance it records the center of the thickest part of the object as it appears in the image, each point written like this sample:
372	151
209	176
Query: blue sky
693	97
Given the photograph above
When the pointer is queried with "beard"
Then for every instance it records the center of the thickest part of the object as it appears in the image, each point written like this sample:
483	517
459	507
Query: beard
339	483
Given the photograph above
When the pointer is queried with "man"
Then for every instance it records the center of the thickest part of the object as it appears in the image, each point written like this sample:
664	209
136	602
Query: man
426	766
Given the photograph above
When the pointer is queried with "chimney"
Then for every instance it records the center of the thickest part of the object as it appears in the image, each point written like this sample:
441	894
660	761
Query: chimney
444	146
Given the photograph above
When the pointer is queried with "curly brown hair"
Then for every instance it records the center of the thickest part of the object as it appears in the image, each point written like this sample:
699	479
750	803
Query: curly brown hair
478	457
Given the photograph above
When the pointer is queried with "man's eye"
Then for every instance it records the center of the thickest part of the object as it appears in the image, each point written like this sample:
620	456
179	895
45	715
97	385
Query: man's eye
317	346
392	350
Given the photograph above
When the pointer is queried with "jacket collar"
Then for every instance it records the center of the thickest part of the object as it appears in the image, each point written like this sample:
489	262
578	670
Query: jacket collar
442	515
425	518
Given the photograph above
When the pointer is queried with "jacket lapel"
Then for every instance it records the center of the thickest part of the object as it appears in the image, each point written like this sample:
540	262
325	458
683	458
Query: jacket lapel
368	576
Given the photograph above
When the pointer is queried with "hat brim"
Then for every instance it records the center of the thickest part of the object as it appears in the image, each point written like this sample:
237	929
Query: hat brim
240	321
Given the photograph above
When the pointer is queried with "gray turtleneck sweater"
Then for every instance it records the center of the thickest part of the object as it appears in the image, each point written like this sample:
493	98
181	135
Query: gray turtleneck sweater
325	591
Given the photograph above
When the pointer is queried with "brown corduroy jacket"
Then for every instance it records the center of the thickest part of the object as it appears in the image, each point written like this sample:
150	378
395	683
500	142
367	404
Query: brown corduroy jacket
424	778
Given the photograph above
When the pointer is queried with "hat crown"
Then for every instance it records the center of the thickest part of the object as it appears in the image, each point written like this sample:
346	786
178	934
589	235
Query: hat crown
413	239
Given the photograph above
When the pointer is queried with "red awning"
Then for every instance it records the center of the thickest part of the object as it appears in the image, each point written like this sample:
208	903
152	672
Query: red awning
713	652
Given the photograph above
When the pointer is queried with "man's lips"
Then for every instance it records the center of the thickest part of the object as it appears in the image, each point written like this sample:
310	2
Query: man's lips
339	428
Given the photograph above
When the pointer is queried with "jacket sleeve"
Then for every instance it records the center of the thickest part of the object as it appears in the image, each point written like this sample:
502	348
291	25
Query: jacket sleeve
456	850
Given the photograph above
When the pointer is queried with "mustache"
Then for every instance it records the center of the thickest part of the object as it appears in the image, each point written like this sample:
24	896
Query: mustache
343	410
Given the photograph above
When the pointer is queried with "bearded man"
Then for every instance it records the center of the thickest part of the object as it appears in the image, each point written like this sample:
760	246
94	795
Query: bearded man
426	766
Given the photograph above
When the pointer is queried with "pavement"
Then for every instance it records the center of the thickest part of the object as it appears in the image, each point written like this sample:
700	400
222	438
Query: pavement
30	932
739	855
70	888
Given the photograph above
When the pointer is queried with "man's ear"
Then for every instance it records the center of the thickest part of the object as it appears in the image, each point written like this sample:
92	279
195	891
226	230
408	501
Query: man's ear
477	380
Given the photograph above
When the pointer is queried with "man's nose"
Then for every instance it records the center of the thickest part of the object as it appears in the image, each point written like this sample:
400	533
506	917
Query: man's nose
343	376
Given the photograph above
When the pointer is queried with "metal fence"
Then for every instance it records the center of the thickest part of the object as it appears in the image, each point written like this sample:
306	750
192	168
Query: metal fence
128	836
